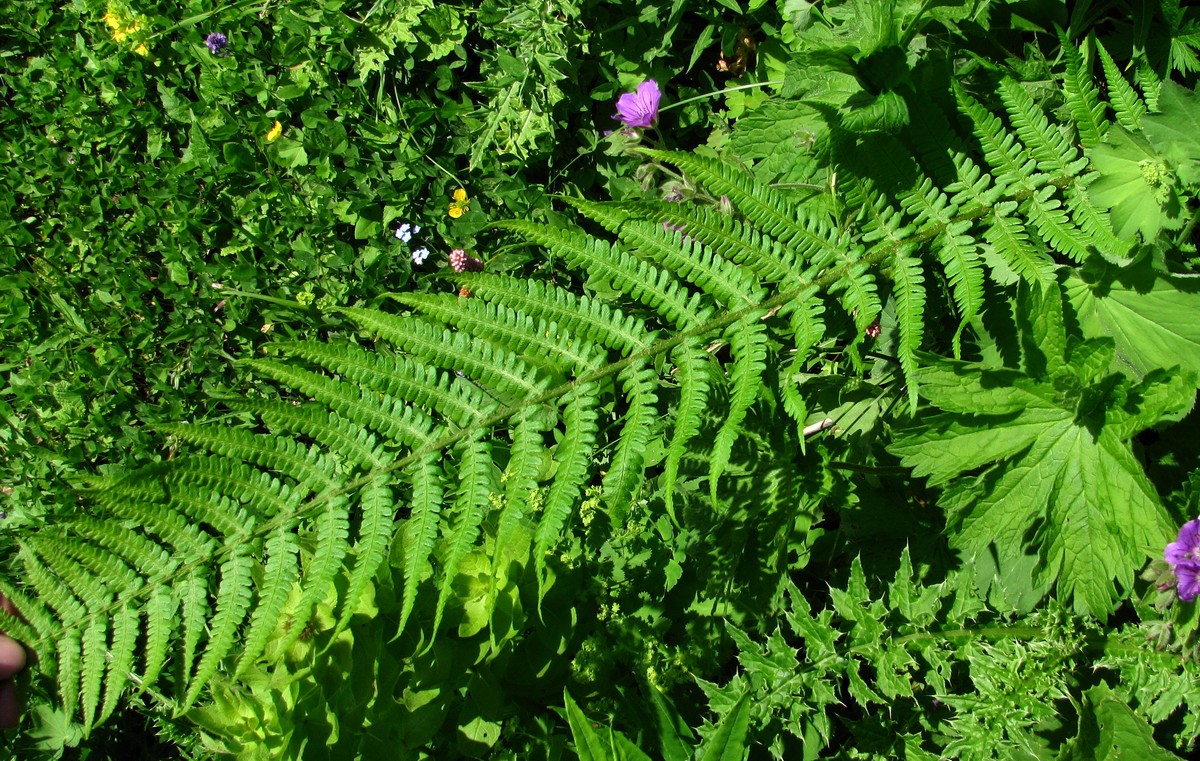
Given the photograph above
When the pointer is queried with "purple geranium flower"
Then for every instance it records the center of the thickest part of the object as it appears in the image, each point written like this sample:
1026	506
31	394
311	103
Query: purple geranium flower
639	109
216	42
1184	556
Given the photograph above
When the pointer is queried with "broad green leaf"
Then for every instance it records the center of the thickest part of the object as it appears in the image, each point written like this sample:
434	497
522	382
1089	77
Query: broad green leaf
290	153
672	729
1175	132
1060	483
592	745
1135	183
1152	317
1109	730
728	743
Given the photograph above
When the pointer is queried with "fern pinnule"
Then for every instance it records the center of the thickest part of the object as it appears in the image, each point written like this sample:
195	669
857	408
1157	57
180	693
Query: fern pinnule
124	652
572	455
909	293
731	239
748	350
641	281
476	482
36	631
306	464
581	315
92	667
1093	225
729	285
194	610
420	530
508	377
1127	106
398	377
692	365
625	470
768	209
1050	220
193	481
160	613
382	414
232	602
279	571
1054	151
525	462
1011	241
677	251
514	330
377	510
151	559
326	427
1001	148
1081	95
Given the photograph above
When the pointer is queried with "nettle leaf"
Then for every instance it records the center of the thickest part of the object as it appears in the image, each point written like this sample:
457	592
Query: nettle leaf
1150	316
1037	467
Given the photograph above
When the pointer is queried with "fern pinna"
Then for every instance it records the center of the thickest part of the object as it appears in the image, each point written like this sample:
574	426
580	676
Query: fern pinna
497	412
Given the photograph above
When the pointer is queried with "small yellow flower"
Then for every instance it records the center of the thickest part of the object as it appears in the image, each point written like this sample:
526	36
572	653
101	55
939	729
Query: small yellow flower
142	50
460	205
275	131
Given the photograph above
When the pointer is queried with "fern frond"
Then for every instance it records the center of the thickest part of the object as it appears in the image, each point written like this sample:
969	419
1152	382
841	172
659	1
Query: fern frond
279	573
518	332
1012	242
475	482
507	376
748	348
643	282
1127	107
398	377
420	530
691	363
233	600
1049	145
909	292
583	316
1082	96
573	455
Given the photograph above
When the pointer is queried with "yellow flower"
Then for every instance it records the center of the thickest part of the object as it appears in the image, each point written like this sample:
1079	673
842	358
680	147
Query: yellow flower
460	205
275	131
142	50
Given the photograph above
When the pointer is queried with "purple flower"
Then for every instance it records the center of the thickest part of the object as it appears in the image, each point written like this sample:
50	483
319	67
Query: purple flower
1184	556
639	109
216	42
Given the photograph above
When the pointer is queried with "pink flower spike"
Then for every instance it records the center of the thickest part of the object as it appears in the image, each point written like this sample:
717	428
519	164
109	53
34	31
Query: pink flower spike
639	109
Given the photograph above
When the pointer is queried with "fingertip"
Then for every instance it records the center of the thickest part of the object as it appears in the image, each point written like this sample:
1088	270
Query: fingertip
12	657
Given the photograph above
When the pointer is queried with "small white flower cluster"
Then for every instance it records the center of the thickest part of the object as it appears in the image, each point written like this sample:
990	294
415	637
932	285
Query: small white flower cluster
405	233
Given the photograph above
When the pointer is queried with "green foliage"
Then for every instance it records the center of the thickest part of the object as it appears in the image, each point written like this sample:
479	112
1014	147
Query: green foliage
639	487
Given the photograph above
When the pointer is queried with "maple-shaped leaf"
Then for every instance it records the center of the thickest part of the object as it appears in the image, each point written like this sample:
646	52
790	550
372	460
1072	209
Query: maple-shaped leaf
1041	467
1136	184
